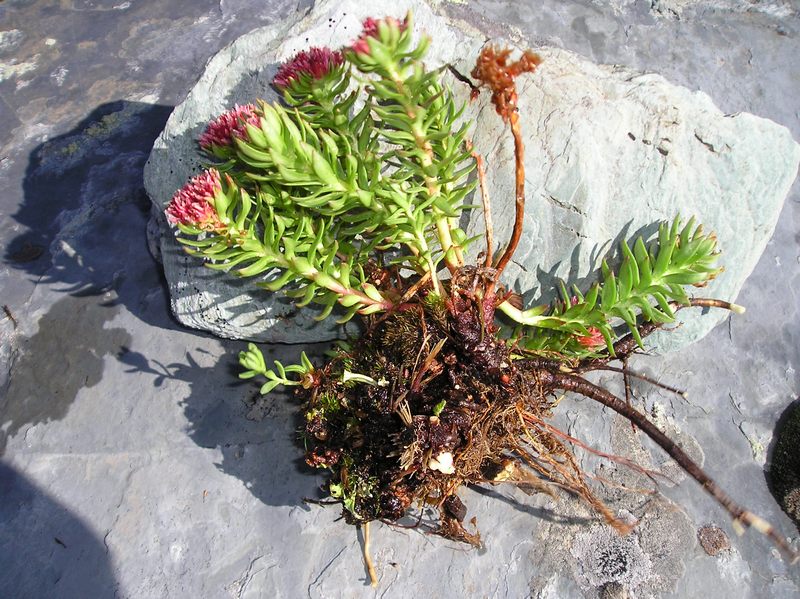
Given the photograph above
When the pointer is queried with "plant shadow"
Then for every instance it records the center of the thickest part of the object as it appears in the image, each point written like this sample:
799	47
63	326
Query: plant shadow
549	281
82	222
538	512
257	436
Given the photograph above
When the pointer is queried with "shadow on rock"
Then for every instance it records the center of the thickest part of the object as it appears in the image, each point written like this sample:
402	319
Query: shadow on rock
538	512
783	472
63	357
84	212
83	220
257	436
550	280
45	550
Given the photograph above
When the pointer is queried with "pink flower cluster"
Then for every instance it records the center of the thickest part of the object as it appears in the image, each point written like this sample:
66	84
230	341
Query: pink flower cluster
193	204
317	62
221	130
360	46
314	62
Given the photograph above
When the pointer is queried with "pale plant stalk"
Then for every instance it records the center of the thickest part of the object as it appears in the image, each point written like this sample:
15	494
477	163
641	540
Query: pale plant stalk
453	254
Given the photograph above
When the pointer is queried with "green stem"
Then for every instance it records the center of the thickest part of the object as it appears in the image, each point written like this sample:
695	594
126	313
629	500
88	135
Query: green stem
453	259
302	267
426	254
345	293
531	317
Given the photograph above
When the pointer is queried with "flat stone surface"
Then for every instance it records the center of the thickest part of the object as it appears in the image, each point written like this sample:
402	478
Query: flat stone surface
134	464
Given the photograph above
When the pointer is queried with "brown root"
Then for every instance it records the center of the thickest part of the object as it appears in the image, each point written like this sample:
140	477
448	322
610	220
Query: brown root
741	516
439	402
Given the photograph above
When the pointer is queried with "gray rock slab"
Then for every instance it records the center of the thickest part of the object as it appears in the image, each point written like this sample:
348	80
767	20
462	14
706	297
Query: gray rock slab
676	9
609	152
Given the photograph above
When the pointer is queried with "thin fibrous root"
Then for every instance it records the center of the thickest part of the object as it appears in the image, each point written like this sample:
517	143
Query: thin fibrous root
646	379
572	477
651	474
740	515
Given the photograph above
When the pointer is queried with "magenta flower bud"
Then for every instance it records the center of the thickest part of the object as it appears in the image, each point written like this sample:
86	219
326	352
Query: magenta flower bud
315	63
221	131
193	204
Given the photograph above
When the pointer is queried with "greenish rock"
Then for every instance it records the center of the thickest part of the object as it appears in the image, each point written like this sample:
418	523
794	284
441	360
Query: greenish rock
609	152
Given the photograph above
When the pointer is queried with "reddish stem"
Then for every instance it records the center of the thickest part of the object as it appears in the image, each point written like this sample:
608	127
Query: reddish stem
519	204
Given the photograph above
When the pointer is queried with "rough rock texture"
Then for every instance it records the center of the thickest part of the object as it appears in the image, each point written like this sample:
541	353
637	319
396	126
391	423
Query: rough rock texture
609	151
675	8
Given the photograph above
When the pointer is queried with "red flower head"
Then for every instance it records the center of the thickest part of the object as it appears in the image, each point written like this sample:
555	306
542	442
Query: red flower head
495	70
360	46
315	63
193	204
220	131
593	339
